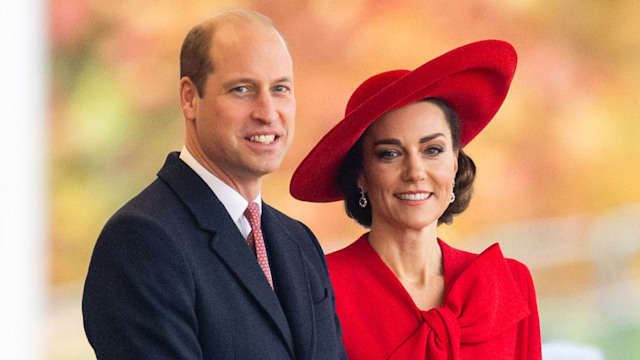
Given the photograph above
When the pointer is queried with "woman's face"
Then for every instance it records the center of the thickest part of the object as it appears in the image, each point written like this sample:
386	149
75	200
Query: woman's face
408	166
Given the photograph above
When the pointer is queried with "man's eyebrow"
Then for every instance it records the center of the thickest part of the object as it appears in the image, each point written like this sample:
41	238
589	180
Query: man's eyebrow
284	79
246	80
233	82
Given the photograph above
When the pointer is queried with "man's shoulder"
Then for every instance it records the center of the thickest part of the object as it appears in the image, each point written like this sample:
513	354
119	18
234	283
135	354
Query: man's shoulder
175	185
155	204
153	197
276	219
158	202
280	216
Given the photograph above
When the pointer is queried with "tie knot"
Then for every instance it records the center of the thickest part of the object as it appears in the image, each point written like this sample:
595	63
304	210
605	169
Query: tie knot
253	215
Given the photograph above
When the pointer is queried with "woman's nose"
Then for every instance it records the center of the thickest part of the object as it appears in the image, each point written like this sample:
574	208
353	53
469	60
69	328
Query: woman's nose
414	168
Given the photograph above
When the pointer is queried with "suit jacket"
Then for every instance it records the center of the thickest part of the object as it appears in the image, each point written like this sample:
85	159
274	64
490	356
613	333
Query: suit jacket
171	277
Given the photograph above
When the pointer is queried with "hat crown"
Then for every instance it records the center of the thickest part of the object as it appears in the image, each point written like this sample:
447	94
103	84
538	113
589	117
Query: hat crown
472	80
371	87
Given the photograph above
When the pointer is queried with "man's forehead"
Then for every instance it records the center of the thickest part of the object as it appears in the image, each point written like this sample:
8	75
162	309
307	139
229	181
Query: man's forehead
240	32
232	43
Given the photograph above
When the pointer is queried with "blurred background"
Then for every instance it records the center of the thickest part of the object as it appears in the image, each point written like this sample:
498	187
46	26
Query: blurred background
558	167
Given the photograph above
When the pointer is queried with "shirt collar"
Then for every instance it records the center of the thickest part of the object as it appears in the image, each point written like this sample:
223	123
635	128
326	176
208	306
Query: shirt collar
232	201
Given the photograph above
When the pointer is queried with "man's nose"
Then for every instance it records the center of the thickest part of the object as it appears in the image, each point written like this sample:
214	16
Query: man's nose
265	109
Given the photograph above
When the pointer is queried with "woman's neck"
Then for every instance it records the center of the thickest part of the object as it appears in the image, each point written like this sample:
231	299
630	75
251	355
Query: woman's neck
415	257
408	253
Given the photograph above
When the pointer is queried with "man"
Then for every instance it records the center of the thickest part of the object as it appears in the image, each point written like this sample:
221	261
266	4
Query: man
174	274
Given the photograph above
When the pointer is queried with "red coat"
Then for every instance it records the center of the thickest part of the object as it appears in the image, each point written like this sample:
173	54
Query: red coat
489	309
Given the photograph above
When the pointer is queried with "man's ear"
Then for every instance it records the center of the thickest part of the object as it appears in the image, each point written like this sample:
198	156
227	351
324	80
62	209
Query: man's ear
188	98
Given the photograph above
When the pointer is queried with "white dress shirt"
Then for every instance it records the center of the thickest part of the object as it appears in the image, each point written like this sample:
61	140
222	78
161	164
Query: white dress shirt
228	196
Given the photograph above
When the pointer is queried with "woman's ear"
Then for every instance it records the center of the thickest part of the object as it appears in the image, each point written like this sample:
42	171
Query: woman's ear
361	183
456	153
188	98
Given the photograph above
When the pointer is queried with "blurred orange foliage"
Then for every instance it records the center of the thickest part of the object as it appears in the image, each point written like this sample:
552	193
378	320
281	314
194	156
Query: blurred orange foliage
564	142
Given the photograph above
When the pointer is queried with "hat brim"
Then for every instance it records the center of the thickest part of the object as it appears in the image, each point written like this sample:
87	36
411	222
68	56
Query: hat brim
473	80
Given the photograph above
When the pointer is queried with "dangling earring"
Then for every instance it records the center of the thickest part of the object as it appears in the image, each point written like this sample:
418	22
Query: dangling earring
363	200
453	194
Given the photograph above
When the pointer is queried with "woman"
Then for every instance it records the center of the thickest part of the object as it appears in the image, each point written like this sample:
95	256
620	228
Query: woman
397	161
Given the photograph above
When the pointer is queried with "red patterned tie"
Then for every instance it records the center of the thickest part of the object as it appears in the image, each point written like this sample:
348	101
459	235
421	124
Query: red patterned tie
256	241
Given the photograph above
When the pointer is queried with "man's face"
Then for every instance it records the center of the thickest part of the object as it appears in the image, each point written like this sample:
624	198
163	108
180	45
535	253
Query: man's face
244	122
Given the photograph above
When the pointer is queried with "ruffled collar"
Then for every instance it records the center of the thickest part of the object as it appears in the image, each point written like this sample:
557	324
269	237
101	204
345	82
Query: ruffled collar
481	301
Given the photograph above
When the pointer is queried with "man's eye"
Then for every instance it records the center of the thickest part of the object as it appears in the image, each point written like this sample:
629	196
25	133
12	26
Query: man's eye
281	88
240	89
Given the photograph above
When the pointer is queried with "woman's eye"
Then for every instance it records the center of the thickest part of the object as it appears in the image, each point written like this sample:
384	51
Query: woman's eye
387	154
434	151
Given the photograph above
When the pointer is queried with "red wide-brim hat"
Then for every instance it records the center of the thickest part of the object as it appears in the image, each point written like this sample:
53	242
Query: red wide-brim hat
473	80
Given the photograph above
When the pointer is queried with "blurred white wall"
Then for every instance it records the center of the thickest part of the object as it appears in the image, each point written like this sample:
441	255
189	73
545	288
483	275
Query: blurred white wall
565	350
23	146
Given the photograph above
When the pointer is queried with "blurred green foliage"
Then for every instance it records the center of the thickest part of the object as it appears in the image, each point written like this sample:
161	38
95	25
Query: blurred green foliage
564	143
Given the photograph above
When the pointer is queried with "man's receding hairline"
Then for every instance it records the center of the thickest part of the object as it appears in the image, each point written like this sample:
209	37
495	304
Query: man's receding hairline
203	38
244	14
233	16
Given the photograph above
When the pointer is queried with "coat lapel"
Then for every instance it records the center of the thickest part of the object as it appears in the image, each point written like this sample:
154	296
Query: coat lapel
291	281
229	245
226	241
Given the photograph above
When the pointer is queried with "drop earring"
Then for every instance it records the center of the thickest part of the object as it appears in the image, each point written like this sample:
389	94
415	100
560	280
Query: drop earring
363	199
453	194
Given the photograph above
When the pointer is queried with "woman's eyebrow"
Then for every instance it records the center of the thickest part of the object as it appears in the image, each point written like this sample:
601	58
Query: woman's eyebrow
430	137
398	142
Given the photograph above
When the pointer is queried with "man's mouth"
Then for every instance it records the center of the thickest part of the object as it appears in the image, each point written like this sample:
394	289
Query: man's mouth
262	139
